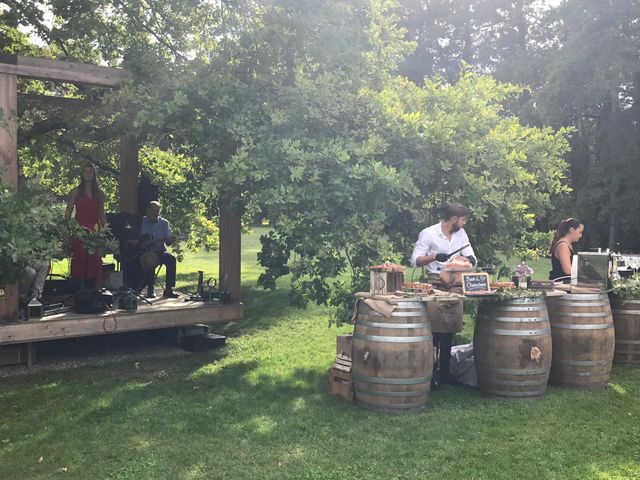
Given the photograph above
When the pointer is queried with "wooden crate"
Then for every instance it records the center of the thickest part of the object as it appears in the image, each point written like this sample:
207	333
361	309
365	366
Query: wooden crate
344	345
340	383
382	283
343	363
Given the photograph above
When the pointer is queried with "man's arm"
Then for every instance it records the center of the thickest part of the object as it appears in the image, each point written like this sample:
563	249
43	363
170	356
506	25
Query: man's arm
170	237
423	260
419	258
468	251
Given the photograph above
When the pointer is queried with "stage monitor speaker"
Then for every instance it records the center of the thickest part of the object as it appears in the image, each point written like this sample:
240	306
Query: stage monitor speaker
89	300
124	226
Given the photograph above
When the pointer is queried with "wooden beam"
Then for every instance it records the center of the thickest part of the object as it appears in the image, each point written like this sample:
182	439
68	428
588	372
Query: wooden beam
230	258
129	170
9	172
56	70
146	318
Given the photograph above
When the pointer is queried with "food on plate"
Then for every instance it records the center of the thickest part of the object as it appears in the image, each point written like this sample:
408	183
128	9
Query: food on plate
417	287
459	262
388	267
505	285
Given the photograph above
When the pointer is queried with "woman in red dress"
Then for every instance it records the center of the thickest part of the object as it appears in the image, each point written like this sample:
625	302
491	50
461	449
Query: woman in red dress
88	201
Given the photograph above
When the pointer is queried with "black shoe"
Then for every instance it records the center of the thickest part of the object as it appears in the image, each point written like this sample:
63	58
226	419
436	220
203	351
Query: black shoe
151	293
435	381
168	293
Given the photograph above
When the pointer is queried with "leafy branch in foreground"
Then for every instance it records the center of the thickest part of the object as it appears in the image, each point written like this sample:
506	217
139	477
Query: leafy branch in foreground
626	289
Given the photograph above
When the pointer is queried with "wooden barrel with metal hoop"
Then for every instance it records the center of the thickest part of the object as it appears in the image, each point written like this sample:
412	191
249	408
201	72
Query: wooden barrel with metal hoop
392	358
626	319
512	347
583	340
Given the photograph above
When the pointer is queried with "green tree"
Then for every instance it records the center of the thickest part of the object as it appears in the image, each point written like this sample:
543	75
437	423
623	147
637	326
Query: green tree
294	110
590	78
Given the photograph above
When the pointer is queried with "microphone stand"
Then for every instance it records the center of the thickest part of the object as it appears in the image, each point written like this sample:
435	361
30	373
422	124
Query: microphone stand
125	289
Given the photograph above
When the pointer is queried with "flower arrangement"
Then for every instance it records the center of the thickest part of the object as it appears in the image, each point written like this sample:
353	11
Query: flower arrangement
523	270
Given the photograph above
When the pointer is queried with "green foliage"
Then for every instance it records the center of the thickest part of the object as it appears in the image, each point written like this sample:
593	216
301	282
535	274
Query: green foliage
626	289
292	110
466	150
32	227
96	242
508	294
146	415
589	77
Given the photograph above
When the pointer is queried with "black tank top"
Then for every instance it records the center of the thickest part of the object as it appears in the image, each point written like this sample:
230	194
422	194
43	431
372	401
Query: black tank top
556	268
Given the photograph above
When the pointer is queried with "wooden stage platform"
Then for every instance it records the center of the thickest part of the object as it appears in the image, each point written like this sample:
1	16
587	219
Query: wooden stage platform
163	313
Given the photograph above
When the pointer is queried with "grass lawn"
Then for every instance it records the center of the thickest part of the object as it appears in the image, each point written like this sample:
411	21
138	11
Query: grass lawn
258	409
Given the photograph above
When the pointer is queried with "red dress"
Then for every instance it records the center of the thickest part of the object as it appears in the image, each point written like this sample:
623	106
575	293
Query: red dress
84	265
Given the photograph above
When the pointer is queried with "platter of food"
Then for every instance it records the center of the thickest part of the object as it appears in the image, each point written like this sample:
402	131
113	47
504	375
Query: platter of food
417	287
387	267
502	285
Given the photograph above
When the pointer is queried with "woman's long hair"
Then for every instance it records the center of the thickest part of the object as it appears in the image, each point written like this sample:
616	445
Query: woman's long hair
95	187
563	228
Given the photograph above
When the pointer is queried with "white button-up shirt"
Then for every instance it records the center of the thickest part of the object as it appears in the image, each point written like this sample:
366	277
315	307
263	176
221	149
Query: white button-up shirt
431	241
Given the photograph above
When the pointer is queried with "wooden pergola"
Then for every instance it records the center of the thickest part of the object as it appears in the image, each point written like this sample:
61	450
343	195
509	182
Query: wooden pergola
14	66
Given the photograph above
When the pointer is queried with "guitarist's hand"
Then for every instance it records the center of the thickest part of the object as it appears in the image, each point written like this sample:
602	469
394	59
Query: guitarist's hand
171	240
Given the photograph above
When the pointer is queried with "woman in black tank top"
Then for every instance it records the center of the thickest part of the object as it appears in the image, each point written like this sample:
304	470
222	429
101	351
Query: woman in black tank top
568	232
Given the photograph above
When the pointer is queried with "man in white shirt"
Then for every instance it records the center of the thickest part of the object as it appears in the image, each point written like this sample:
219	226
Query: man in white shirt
436	245
437	242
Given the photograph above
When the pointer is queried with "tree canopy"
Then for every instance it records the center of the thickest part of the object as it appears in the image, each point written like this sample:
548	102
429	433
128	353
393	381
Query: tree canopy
349	123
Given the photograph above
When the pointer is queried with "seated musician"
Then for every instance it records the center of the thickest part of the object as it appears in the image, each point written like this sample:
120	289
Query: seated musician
31	284
157	235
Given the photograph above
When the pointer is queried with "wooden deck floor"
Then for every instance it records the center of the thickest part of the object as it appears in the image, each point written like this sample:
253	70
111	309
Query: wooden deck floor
163	313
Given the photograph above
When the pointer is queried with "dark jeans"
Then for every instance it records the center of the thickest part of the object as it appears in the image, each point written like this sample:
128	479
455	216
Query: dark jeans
168	261
442	343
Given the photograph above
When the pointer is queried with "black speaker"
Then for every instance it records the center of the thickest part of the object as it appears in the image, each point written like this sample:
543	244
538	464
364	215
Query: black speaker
91	300
124	226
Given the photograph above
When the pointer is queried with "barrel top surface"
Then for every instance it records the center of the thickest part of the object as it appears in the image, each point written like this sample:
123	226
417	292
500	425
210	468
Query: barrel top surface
555	293
492	296
584	297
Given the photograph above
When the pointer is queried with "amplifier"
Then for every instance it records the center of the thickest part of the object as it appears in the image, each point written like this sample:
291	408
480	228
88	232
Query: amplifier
89	300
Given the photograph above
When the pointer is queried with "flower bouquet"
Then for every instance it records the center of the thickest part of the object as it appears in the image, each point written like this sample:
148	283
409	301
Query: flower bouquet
522	275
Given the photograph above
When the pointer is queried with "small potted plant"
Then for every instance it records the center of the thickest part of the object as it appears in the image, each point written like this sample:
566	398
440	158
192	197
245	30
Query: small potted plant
522	275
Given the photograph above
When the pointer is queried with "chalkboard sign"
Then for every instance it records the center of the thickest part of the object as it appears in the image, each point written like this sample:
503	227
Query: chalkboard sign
475	283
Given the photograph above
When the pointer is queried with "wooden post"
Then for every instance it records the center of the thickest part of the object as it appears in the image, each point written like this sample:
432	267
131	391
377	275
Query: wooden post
230	235
9	129
9	173
129	170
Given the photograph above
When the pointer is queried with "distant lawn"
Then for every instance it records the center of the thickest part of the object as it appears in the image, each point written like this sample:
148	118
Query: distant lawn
208	262
187	275
258	409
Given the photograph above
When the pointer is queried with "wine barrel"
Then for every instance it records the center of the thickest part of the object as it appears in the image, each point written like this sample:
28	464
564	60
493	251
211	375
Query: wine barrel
626	319
512	347
583	340
392	358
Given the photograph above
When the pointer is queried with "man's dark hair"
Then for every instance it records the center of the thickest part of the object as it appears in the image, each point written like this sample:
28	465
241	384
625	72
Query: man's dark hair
454	210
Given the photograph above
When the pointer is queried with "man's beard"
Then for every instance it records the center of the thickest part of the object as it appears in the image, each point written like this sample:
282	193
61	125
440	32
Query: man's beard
455	227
